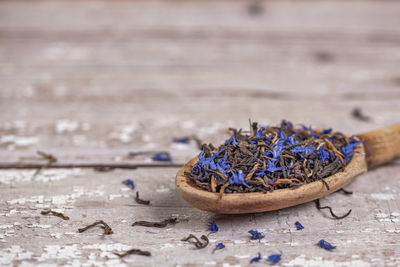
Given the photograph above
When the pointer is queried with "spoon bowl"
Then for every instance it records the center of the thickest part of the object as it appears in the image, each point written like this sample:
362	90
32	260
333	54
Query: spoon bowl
379	147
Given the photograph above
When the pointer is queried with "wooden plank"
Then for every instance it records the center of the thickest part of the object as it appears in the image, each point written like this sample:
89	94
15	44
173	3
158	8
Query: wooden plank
91	81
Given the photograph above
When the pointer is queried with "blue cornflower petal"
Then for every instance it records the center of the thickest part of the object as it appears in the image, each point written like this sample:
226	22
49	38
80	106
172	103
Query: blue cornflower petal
255	234
323	154
298	226
212	226
161	157
182	140
232	140
237	178
290	140
129	182
323	244
299	150
309	150
327	131
276	151
275	258
281	135
271	167
260	173
256	259
209	161
219	246
348	150
259	133
309	129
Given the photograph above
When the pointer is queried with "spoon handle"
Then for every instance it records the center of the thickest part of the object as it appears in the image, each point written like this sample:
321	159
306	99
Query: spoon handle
381	146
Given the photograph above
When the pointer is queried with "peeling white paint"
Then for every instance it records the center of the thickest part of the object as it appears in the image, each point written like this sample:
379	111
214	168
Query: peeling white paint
35	225
14	253
124	133
71	233
146	138
112	196
66	126
167	246
11	212
19	141
242	256
57	200
319	261
369	230
293	244
383	196
64	51
60	252
179	146
188	124
47	175
225	264
397	231
6	226
56	235
162	189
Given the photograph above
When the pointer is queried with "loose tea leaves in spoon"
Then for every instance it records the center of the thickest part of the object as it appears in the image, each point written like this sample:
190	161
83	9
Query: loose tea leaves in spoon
271	158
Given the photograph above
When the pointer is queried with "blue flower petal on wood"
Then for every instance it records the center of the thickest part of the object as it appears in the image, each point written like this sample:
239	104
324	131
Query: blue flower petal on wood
326	245
256	259
255	234
212	226
129	183
299	226
274	258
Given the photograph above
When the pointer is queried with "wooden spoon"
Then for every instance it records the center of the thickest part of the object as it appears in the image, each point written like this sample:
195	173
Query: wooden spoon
379	148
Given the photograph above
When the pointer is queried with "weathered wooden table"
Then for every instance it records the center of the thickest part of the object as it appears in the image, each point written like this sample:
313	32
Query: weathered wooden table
91	81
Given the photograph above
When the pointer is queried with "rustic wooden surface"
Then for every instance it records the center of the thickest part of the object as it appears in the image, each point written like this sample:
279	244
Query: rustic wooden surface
91	81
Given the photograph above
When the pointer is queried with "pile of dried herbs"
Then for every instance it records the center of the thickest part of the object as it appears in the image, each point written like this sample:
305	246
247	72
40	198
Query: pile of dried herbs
270	158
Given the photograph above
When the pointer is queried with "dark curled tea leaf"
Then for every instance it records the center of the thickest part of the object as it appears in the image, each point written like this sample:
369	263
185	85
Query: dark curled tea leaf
271	158
141	201
57	214
103	169
133	252
197	242
161	224
359	115
345	191
50	160
318	205
107	229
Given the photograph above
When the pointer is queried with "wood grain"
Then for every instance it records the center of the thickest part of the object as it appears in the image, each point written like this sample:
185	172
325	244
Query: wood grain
91	81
